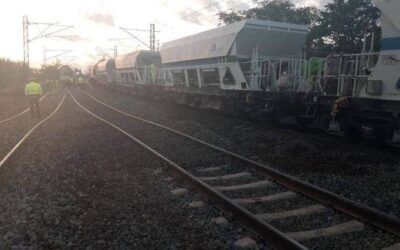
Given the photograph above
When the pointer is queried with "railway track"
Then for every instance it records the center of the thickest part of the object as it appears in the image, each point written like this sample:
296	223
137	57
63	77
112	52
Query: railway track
20	142
232	188
23	112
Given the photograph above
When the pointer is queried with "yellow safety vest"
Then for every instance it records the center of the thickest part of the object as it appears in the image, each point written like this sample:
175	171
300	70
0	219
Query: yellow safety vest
153	72
33	88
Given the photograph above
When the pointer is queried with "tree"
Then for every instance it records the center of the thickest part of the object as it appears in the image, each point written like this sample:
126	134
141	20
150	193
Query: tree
343	24
50	72
12	74
339	28
230	17
274	10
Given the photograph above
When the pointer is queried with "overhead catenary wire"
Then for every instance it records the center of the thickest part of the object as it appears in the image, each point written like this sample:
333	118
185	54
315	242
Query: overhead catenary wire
195	11
208	7
209	16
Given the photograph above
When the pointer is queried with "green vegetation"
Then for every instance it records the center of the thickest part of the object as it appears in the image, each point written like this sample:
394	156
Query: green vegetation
338	28
14	75
49	72
342	25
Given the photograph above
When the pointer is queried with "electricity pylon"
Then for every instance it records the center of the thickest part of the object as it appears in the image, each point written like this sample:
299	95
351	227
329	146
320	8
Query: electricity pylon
151	45
49	30
104	53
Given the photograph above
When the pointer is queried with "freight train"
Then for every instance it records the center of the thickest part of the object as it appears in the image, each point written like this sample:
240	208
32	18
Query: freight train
69	75
66	74
257	68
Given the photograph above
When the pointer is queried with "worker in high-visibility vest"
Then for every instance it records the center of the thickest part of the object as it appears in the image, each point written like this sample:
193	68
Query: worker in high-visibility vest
81	81
153	72
71	82
33	90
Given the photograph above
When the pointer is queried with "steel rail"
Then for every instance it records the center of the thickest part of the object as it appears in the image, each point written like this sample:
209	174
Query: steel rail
23	112
273	236
12	151
355	209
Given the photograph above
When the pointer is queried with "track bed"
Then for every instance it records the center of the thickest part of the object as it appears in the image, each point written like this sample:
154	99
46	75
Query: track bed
239	184
77	183
366	173
11	131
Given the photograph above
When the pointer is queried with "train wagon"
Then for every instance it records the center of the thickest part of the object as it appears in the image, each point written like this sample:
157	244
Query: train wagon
105	72
138	67
257	68
66	75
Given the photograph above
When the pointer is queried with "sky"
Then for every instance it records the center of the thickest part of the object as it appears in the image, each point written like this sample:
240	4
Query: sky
97	21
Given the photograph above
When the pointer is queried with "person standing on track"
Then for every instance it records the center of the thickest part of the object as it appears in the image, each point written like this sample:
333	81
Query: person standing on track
33	90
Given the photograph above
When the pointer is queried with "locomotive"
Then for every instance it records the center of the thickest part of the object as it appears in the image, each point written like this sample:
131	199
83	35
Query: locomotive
256	68
66	74
69	75
104	72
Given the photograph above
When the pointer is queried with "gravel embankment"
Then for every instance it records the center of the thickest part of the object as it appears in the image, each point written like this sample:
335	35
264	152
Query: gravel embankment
10	106
12	131
192	157
77	183
370	175
13	102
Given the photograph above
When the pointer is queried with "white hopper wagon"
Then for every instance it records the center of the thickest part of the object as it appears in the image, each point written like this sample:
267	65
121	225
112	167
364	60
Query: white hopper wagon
228	57
133	68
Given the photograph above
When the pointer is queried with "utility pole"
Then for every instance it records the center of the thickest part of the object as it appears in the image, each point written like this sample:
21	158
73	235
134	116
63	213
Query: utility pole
152	37
152	43
115	51
26	40
104	53
45	32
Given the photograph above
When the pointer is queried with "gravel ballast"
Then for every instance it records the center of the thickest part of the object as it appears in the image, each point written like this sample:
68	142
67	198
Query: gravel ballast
14	102
289	158
365	173
12	131
78	183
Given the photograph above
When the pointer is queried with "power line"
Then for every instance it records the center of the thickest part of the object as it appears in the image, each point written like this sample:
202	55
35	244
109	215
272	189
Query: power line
98	6
152	31
45	32
208	7
196	11
236	6
56	54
